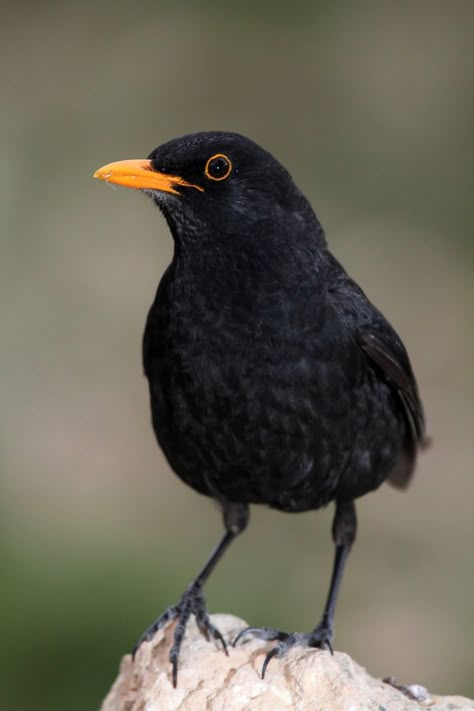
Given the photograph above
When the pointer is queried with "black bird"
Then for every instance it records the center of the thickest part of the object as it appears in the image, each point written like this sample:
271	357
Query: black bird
273	379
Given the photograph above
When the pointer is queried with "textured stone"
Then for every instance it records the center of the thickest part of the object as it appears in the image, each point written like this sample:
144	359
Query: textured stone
303	680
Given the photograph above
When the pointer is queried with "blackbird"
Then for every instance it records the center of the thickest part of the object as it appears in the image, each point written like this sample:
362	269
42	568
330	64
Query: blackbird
273	379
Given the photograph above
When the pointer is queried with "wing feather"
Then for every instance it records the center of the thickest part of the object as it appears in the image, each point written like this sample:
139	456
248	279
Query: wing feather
392	361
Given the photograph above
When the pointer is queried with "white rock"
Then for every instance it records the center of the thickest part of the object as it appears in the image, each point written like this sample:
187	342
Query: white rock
303	680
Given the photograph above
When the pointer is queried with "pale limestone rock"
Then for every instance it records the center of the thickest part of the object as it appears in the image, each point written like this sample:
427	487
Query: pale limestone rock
303	680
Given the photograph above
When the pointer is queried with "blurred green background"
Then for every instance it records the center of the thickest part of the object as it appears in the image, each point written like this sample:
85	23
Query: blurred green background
369	105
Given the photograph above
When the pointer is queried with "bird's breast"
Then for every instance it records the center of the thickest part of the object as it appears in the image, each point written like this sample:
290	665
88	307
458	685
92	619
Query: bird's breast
236	403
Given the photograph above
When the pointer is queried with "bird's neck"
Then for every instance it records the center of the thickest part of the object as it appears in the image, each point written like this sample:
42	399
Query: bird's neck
250	292
232	268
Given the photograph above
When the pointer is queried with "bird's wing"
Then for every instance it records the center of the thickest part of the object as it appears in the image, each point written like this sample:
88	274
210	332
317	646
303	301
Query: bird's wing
398	372
386	352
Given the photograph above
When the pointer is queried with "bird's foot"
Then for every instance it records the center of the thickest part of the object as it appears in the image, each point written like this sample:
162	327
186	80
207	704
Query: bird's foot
320	637
192	603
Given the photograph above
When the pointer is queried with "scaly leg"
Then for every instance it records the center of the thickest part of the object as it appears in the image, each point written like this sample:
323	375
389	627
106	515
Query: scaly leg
343	532
192	601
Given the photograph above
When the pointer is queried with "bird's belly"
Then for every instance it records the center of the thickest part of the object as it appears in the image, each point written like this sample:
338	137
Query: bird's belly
292	427
245	436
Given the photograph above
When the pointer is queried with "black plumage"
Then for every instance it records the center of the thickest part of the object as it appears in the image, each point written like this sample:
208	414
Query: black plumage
273	379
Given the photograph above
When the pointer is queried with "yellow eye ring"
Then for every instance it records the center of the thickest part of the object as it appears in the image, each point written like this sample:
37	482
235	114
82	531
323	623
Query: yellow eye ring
218	167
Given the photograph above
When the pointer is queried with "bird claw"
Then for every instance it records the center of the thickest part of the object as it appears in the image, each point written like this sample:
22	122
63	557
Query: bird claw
192	603
167	616
320	637
266	633
208	630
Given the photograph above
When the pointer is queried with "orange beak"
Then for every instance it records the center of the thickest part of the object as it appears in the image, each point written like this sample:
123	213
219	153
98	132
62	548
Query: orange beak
139	174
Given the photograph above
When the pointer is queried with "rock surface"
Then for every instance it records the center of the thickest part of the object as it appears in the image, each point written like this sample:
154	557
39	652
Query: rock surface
303	680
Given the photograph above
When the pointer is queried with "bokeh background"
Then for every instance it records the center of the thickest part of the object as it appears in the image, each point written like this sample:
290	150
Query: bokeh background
369	105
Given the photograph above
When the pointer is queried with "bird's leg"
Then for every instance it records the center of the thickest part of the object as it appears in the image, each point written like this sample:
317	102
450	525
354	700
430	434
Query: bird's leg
192	601
343	532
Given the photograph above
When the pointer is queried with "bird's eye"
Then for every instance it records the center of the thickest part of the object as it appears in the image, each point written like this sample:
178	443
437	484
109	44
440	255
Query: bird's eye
218	167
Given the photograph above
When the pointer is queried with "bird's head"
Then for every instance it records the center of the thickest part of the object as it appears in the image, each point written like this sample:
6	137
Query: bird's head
217	183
